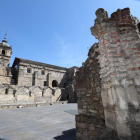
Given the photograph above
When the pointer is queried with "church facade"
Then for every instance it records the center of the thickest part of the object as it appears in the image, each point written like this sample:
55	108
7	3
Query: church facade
31	82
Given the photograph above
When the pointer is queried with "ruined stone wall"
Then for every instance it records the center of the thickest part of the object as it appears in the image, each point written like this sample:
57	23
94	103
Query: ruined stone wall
26	95
90	120
30	85
118	57
119	42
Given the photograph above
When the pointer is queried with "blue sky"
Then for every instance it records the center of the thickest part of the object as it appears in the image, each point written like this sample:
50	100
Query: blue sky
55	32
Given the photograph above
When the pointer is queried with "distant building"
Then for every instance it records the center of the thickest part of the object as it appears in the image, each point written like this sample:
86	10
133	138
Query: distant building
28	75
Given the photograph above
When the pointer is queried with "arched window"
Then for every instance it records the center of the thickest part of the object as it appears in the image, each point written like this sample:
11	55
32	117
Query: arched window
54	83
3	52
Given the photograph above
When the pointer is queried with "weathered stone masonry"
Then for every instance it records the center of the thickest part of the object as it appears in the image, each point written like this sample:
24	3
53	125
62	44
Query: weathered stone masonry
119	51
90	120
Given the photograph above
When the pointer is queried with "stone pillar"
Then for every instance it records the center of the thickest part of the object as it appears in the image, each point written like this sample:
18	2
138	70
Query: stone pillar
48	79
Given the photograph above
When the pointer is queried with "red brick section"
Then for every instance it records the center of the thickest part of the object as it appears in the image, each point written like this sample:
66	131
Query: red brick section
119	31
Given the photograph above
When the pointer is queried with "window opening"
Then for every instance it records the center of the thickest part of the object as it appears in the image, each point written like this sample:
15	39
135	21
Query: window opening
30	94
45	83
28	70
6	91
3	52
54	83
64	85
43	72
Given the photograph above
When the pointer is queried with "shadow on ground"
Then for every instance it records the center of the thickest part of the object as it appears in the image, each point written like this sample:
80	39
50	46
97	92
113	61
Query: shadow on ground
3	139
67	135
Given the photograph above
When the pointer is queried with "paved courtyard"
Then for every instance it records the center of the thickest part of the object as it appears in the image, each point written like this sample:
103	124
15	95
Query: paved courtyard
56	122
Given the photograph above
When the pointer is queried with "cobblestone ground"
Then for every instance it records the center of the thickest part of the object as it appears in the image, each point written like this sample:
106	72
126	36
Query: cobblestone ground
56	122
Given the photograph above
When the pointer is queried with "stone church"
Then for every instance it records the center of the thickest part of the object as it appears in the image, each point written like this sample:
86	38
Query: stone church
30	82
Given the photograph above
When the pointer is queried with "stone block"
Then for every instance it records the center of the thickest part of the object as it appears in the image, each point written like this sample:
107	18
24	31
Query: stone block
104	95
82	82
81	125
132	96
121	96
123	129
91	127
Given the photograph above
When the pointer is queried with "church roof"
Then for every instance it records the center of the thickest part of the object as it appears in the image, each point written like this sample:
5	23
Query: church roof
18	60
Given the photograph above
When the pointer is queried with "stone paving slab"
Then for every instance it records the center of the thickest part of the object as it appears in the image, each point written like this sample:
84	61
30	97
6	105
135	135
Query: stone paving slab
56	122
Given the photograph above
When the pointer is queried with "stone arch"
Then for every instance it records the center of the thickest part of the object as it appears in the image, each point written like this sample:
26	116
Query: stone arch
3	52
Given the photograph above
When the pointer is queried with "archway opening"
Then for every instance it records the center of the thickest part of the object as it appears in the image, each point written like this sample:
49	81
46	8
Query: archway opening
3	52
54	83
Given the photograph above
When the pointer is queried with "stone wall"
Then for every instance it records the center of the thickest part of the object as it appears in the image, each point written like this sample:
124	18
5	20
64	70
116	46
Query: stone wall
118	58
90	120
14	95
35	77
5	75
71	88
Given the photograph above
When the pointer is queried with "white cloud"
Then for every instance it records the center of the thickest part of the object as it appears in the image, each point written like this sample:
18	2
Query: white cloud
68	55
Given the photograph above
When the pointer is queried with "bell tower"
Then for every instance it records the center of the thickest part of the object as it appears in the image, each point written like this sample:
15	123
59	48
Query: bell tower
5	52
5	55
